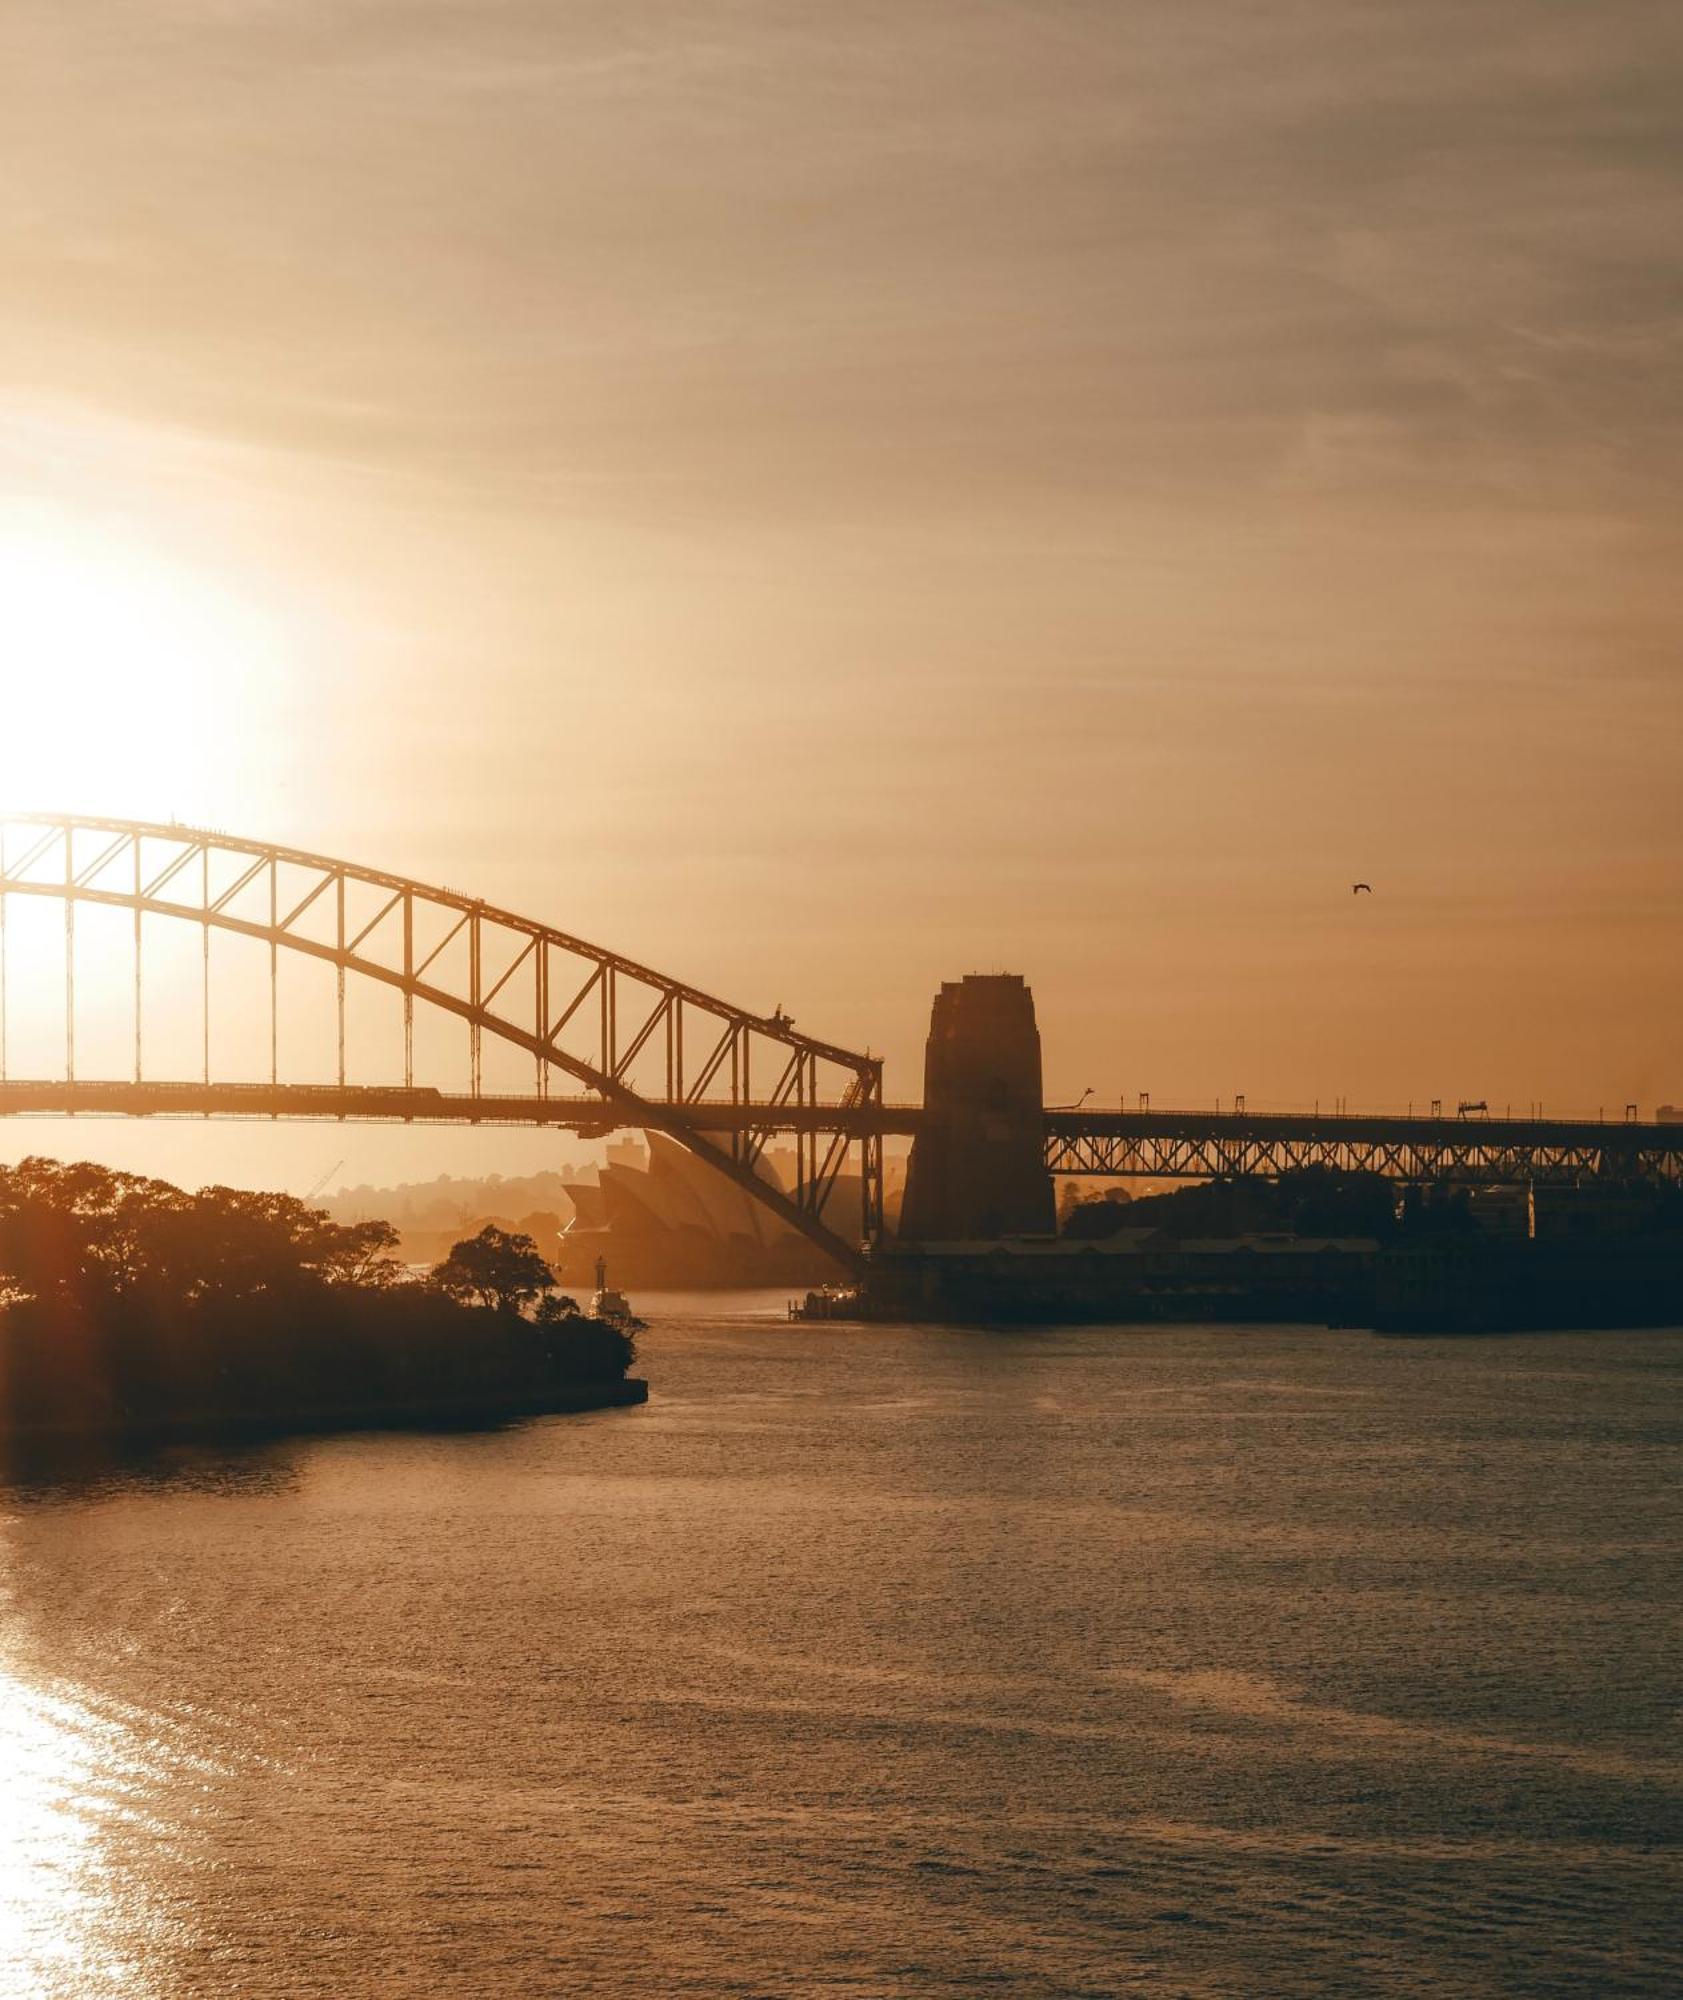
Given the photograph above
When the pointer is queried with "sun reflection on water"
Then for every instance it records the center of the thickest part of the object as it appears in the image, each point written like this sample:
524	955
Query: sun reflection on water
65	1776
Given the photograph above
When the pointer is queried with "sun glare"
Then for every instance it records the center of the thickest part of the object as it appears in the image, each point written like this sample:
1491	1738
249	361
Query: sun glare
121	677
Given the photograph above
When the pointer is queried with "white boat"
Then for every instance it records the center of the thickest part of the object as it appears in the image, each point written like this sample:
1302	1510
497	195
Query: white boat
612	1307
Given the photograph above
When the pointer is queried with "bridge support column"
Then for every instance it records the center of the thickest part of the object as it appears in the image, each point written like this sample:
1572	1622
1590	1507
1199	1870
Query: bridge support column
977	1170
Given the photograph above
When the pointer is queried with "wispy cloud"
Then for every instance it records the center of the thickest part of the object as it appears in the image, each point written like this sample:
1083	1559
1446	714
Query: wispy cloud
919	253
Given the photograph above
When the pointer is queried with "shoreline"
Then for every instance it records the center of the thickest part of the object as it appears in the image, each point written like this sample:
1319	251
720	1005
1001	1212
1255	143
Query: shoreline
422	1414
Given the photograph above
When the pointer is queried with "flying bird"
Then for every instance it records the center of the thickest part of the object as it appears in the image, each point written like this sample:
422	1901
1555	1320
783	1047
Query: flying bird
1361	888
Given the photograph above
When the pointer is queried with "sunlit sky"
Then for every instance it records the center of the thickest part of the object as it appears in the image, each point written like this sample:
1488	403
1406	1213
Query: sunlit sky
825	498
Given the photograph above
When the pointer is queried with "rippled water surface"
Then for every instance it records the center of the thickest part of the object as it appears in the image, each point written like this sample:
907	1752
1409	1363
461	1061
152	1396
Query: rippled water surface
874	1661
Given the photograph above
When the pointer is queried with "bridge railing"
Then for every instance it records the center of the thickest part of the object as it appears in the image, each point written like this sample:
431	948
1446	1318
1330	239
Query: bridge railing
1439	1110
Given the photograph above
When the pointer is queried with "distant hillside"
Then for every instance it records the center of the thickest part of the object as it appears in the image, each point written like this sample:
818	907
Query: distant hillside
429	1216
436	1203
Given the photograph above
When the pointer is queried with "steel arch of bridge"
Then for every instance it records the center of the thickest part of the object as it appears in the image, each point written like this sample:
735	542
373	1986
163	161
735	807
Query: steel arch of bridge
594	1016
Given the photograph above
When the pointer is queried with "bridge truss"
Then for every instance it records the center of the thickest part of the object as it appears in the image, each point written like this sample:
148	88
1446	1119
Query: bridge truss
649	1051
1483	1152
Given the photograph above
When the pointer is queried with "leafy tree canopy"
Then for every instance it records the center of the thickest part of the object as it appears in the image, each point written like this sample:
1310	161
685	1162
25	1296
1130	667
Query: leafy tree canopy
81	1232
499	1268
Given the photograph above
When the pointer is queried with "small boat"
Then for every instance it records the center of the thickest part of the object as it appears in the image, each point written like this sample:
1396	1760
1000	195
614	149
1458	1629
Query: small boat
611	1307
828	1302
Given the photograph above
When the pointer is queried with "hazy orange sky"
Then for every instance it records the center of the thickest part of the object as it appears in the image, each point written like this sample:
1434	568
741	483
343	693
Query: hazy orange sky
824	498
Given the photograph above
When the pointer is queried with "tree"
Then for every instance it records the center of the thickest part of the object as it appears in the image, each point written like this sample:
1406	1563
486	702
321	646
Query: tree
82	1232
359	1253
79	1230
126	1302
498	1268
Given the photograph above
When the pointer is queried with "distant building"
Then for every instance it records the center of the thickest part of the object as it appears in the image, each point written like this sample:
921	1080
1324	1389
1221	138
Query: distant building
1596	1209
662	1216
1502	1211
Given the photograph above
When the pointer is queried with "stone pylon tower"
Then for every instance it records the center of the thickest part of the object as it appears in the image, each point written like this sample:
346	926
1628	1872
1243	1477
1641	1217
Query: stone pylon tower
975	1171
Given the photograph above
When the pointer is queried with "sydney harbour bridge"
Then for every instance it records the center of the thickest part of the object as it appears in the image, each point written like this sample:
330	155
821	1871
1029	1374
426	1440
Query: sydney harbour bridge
606	1042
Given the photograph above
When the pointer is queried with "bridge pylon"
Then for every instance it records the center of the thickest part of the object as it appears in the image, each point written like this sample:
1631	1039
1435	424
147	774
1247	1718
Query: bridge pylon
976	1171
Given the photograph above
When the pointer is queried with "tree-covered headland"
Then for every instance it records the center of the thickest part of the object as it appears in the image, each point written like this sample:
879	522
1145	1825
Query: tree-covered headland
130	1304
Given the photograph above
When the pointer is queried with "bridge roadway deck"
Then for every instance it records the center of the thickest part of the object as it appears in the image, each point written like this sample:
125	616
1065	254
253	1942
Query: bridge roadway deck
394	1105
1157	1144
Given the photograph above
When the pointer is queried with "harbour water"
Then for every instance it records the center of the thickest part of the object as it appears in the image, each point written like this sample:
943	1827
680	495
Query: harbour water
875	1661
